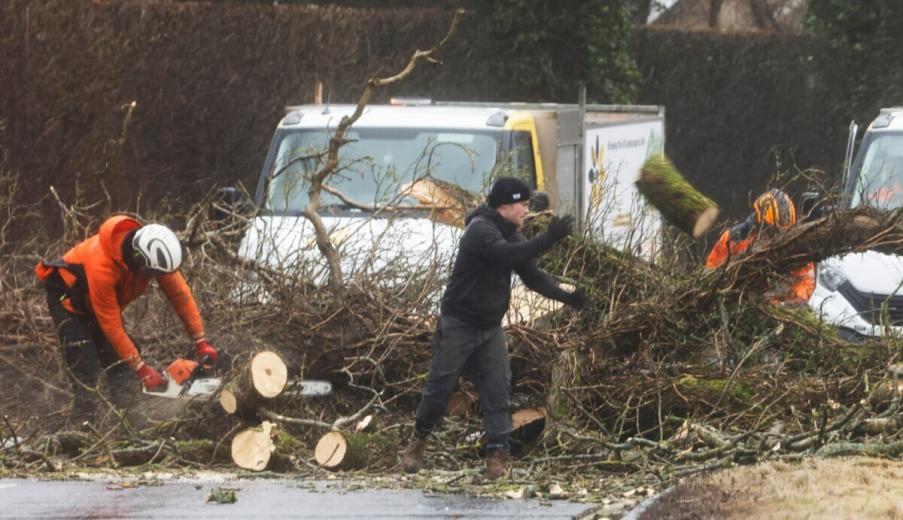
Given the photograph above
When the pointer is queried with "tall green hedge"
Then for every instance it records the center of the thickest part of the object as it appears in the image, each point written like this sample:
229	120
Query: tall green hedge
866	39
211	80
548	48
741	107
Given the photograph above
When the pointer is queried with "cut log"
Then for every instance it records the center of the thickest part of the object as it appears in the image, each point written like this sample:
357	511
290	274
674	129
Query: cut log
885	392
338	450
527	424
525	417
678	201
450	203
263	378
251	448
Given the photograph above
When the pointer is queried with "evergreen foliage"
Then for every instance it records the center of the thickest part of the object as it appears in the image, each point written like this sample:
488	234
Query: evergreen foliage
548	47
868	46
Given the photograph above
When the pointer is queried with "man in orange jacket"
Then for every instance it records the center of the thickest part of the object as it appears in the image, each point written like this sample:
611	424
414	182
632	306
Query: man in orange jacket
773	210
90	286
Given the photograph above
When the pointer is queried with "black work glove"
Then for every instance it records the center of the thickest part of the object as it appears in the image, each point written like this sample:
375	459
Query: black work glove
577	299
560	227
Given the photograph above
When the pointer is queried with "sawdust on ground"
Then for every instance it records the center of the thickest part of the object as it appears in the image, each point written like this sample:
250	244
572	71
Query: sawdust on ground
842	488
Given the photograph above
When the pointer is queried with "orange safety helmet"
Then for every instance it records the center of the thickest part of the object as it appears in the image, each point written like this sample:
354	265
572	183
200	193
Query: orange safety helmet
775	209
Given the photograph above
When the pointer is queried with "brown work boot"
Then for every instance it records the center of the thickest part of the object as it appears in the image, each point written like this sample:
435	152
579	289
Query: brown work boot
413	455
497	463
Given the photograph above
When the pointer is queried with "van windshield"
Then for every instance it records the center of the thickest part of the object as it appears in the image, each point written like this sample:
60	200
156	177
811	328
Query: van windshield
376	165
880	181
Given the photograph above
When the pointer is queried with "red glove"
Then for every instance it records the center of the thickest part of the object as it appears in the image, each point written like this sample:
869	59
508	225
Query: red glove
206	349
151	378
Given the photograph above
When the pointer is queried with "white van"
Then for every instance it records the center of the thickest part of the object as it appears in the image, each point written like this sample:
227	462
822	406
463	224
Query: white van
862	293
382	208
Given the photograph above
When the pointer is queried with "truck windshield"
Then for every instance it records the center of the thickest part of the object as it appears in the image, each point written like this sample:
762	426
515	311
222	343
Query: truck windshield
376	165
880	180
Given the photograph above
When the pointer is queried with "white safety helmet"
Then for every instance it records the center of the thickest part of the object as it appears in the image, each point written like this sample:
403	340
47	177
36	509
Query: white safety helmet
159	248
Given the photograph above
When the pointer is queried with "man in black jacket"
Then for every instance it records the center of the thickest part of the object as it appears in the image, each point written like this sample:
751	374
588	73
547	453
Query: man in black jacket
469	338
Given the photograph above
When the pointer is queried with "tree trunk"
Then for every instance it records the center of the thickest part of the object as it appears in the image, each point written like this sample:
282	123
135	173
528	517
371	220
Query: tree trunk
263	378
527	424
450	203
678	201
563	374
642	9
251	448
337	450
714	12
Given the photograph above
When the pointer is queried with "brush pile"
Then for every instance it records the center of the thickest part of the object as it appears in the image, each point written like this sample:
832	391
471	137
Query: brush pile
670	370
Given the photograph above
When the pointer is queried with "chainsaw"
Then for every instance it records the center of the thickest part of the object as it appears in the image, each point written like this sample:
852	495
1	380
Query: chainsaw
185	378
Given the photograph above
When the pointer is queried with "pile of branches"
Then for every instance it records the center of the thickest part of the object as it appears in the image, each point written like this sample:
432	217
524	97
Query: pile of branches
672	369
701	368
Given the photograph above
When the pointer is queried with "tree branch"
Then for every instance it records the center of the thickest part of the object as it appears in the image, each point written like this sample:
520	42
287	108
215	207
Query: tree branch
332	156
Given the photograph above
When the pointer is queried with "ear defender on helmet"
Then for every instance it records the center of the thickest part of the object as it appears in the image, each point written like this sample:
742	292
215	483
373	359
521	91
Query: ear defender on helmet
158	247
775	209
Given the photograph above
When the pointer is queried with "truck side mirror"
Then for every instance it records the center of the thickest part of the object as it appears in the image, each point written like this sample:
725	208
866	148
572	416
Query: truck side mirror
228	198
539	201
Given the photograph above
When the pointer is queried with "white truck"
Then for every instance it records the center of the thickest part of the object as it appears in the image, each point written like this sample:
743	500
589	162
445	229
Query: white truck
862	293
579	155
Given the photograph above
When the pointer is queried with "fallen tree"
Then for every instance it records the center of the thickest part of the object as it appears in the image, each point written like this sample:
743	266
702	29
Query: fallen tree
263	377
671	370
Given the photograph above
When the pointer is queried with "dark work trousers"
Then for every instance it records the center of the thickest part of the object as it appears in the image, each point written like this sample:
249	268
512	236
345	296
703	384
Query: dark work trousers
481	355
87	352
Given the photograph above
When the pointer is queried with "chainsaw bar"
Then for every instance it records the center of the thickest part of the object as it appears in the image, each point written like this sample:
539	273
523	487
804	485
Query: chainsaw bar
200	387
307	388
209	386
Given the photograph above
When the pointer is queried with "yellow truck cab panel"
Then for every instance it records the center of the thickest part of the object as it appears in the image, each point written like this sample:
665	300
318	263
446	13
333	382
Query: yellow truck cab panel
523	122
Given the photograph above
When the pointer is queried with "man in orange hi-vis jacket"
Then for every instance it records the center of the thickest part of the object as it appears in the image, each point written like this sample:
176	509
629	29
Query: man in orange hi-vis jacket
774	210
94	281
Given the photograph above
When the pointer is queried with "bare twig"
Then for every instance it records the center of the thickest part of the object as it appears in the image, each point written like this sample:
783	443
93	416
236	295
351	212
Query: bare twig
339	139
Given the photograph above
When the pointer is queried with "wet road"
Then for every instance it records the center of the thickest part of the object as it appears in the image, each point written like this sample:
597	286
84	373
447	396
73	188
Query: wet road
186	498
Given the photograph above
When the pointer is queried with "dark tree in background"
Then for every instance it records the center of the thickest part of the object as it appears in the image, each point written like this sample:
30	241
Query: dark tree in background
867	38
639	10
369	4
550	47
545	46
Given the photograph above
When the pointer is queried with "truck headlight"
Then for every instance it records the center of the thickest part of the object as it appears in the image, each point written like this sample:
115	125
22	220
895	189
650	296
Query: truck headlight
831	277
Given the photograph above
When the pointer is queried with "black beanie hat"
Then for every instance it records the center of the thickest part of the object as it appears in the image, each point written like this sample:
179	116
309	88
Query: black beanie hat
508	190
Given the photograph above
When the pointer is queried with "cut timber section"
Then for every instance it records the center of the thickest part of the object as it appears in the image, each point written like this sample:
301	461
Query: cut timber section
337	450
252	448
527	425
263	378
675	198
526	416
449	202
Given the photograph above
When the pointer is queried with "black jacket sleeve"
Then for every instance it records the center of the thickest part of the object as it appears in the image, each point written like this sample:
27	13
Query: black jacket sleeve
540	281
484	239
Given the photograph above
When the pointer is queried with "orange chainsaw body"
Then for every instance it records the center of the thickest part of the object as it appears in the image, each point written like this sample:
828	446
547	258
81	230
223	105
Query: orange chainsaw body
181	369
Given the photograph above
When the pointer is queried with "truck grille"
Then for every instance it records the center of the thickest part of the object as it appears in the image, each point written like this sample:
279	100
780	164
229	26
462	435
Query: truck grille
869	305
